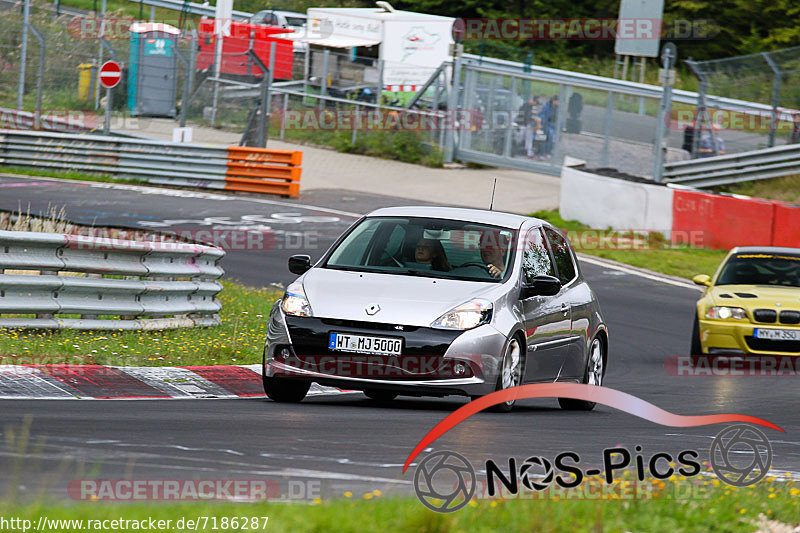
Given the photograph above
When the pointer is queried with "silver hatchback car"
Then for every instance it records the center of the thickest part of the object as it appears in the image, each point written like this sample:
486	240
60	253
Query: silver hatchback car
434	301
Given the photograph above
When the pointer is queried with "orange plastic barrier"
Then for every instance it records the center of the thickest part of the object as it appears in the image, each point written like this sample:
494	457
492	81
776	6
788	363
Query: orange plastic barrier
722	222
263	170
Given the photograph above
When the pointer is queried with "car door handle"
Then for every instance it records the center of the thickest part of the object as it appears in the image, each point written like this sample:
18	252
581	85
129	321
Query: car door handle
565	309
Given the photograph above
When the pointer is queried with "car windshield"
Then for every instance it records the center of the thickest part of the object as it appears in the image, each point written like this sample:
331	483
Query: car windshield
259	17
761	269
427	247
298	22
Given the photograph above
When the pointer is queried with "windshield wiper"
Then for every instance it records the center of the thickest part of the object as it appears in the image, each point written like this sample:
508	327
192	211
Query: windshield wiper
426	273
358	269
408	272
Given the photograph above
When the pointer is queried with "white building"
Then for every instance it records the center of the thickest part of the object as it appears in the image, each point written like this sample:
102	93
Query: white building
411	45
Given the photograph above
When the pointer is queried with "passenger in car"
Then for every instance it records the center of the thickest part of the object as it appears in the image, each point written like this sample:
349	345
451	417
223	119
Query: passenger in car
431	251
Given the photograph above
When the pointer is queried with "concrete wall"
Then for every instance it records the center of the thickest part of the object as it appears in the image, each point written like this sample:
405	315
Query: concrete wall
603	202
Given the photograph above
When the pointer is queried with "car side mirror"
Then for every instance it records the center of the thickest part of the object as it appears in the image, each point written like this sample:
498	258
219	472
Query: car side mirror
540	286
299	264
702	279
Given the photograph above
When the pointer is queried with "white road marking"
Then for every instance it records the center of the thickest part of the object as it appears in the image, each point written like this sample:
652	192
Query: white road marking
158	191
634	272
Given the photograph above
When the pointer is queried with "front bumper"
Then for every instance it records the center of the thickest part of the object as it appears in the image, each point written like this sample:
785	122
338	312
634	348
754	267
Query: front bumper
729	337
433	361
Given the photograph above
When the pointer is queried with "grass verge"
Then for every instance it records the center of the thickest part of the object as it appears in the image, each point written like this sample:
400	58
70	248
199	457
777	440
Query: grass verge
66	174
767	506
785	189
238	340
653	252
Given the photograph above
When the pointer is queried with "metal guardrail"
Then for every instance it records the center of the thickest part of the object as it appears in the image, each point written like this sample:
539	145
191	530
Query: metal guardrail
735	168
154	161
156	285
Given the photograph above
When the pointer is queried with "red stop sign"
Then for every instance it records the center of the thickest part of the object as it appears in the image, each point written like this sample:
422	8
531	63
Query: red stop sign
110	74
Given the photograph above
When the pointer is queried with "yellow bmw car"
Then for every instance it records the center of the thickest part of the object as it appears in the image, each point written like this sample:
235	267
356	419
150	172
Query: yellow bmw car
751	306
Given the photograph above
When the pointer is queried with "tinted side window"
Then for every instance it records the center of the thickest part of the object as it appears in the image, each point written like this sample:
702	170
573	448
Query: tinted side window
562	256
535	258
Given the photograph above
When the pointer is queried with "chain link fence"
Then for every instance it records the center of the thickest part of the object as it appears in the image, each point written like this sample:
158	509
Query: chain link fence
770	78
523	121
502	114
71	96
67	53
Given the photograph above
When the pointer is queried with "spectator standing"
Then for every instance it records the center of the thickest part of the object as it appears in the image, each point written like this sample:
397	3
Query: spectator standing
527	117
711	145
548	117
794	137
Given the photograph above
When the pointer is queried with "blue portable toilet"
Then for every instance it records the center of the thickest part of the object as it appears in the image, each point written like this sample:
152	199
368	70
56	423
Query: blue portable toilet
153	70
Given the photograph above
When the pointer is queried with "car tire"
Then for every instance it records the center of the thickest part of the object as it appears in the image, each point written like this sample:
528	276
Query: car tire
285	390
380	395
593	375
511	372
696	347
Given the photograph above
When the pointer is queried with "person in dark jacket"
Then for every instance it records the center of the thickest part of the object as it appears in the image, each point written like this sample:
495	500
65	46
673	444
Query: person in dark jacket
527	117
794	137
548	116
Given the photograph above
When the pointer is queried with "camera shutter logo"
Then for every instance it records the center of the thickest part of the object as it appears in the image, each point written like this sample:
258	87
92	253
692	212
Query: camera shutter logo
445	481
527	476
740	455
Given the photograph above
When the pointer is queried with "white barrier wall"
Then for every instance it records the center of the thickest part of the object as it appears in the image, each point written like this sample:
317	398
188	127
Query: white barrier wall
602	202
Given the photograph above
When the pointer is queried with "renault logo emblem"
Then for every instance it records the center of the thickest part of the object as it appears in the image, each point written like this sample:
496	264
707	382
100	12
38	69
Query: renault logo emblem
372	309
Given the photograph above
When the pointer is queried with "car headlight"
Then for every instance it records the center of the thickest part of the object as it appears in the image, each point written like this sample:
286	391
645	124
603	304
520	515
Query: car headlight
465	316
295	302
725	313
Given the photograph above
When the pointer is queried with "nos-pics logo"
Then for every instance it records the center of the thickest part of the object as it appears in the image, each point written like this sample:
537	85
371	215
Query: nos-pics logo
445	481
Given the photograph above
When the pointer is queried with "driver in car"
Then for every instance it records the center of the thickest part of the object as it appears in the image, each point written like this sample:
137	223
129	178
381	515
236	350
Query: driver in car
493	252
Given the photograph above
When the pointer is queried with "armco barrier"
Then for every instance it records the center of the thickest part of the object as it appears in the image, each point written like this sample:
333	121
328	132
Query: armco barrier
683	214
189	165
264	170
723	221
735	168
165	285
604	202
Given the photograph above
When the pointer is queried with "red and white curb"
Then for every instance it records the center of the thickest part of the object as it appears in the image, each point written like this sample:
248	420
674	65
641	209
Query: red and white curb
69	382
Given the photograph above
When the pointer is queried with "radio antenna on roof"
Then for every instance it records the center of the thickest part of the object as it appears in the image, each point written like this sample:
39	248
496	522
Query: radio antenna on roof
491	204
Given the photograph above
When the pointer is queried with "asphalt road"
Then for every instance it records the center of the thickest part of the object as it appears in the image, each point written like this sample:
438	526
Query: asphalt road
277	228
347	442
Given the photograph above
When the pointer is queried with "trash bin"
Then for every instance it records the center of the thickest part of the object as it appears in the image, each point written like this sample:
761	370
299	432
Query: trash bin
87	77
153	70
574	109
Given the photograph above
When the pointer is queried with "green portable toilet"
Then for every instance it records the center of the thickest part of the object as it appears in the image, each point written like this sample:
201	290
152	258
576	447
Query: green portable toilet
153	70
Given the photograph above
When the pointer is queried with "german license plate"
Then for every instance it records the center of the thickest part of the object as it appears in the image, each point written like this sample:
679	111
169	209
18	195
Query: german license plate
347	342
777	334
